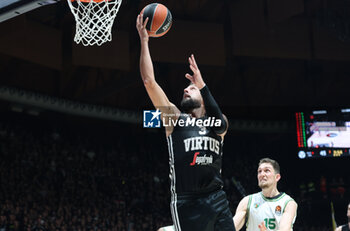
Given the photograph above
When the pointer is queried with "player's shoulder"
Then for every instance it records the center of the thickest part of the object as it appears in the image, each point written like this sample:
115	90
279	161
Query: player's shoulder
288	199
251	196
167	228
247	200
287	195
257	195
339	228
290	204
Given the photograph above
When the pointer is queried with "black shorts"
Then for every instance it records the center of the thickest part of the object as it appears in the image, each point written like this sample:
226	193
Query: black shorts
202	213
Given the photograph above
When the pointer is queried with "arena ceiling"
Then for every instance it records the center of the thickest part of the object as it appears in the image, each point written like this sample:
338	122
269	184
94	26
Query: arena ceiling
252	53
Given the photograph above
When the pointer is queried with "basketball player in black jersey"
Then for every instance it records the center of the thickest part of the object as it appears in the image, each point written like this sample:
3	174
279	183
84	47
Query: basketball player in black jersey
345	227
198	202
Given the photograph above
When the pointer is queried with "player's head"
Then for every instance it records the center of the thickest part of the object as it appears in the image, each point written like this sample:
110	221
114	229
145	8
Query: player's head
348	214
192	98
268	173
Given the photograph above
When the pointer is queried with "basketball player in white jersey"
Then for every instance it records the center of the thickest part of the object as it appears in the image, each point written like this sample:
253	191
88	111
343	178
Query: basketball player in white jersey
265	210
268	209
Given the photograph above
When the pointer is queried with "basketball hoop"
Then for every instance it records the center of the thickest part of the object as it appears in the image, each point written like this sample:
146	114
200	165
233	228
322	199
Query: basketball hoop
94	20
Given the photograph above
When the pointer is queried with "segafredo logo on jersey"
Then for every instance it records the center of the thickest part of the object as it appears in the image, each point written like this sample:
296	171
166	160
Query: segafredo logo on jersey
201	160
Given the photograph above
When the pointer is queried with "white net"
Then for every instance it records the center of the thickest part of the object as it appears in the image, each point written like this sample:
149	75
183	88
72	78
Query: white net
94	20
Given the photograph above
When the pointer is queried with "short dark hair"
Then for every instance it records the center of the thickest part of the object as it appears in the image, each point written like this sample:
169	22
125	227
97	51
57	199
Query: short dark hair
274	164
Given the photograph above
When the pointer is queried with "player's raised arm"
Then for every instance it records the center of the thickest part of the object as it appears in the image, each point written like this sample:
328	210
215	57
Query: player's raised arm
211	107
288	216
155	92
241	213
158	97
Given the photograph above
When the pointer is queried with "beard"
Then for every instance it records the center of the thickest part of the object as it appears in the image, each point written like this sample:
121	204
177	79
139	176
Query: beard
188	104
263	185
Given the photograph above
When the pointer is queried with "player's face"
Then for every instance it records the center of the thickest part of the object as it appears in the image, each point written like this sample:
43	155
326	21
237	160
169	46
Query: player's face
267	176
348	211
192	92
192	98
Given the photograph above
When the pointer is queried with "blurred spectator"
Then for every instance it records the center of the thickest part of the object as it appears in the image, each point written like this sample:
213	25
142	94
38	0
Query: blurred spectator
334	187
341	187
323	187
311	189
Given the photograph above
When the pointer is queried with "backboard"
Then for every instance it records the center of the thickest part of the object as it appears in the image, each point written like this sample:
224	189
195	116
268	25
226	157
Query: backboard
13	8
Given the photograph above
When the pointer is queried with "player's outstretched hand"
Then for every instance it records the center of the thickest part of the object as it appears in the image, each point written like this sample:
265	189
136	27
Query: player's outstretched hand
262	226
196	78
141	27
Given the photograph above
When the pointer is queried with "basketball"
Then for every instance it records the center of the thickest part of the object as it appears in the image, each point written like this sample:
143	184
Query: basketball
159	19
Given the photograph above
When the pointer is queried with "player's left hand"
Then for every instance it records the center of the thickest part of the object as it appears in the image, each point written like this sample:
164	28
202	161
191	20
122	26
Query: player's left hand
196	78
262	226
141	28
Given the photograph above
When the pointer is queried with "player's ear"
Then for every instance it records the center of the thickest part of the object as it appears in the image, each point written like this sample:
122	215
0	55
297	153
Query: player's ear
278	176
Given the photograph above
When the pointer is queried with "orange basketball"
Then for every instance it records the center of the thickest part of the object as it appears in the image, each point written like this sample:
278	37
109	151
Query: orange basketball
159	19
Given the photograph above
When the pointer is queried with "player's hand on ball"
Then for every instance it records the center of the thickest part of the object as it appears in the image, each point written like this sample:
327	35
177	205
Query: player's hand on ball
196	78
262	227
141	27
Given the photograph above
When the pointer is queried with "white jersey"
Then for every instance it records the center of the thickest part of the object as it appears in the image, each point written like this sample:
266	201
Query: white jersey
168	228
267	210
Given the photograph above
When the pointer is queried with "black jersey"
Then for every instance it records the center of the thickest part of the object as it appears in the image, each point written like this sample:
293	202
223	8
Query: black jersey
345	227
195	158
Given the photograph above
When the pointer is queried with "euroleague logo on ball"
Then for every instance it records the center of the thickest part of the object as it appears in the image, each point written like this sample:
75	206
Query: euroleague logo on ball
159	19
166	26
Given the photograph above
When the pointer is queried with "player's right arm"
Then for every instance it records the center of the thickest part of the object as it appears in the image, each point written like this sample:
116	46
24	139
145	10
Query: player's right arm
241	213
288	216
155	92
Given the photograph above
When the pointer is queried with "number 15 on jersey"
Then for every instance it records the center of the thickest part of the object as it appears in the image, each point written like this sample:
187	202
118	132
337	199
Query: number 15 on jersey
270	223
